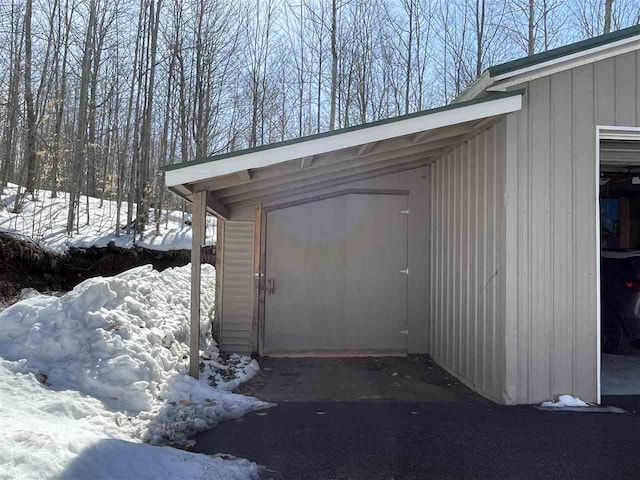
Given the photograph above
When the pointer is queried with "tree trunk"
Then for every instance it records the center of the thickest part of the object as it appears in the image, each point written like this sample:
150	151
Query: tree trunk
81	134
30	146
480	24
334	67
607	15
409	55
143	170
531	40
8	141
61	94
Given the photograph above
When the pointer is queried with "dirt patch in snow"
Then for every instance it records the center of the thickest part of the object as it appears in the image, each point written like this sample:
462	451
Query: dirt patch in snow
23	264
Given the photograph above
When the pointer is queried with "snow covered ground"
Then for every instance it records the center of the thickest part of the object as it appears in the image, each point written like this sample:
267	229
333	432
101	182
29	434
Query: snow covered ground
91	382
44	221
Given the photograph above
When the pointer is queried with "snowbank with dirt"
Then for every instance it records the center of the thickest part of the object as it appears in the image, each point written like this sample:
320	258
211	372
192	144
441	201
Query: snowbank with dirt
108	362
44	219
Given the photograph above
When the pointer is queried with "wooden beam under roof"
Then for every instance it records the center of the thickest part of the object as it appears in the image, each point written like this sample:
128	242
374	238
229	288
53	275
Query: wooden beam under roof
306	161
245	175
276	173
484	123
217	206
236	195
442	133
366	148
301	188
413	152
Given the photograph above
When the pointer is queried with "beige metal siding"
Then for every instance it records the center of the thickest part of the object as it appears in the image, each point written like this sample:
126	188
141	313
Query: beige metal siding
337	266
237	296
466	298
551	282
417	182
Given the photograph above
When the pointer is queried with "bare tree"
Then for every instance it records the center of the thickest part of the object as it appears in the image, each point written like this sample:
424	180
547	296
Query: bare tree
30	147
334	65
607	16
81	134
60	73
16	36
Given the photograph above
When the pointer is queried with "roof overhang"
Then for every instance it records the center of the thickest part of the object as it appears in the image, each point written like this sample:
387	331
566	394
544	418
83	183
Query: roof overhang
338	157
501	78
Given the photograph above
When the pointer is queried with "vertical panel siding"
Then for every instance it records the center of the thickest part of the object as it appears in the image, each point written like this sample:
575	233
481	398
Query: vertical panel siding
550	218
561	232
467	314
237	297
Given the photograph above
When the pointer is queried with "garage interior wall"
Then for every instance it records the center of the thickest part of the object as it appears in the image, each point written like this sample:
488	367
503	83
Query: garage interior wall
550	225
416	182
466	295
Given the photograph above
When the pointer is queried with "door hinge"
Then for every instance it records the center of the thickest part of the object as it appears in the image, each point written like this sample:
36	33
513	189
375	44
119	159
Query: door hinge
404	332
406	212
405	271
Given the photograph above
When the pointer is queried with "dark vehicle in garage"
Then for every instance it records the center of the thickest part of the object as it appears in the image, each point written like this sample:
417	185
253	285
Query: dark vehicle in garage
620	299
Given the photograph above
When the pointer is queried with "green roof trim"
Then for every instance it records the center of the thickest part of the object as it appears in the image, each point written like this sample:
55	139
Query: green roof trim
564	51
269	146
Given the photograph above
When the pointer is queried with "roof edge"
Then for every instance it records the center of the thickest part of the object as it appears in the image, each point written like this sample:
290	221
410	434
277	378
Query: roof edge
475	88
565	50
452	106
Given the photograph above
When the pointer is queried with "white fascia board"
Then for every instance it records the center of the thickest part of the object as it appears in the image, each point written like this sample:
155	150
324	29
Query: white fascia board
317	146
517	77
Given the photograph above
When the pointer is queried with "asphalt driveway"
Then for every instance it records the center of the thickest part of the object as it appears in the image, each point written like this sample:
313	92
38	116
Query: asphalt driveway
416	432
416	378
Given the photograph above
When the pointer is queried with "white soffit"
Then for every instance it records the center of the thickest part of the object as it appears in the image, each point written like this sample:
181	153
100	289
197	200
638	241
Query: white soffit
258	158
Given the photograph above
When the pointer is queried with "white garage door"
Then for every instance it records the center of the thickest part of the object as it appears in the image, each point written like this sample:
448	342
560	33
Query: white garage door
335	281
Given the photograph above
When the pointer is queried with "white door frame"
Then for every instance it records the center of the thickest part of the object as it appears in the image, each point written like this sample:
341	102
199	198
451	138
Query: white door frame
604	132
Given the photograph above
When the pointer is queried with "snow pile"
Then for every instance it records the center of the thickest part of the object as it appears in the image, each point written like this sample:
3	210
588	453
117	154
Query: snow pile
44	220
107	362
565	401
49	434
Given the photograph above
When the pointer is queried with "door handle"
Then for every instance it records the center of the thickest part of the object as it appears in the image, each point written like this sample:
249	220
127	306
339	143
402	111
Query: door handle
271	286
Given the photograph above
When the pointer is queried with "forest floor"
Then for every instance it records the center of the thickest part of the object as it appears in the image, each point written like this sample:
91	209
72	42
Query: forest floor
37	253
41	219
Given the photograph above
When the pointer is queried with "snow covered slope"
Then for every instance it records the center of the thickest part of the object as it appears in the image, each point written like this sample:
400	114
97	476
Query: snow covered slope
45	219
87	377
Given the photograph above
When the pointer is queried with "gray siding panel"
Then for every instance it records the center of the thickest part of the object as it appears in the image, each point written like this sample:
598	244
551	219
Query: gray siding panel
561	231
551	284
420	252
467	311
625	73
237	297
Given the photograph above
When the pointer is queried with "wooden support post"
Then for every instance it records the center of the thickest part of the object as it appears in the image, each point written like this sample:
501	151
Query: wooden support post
198	226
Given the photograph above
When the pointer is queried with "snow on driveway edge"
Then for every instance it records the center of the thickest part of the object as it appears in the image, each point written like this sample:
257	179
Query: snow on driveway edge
85	375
